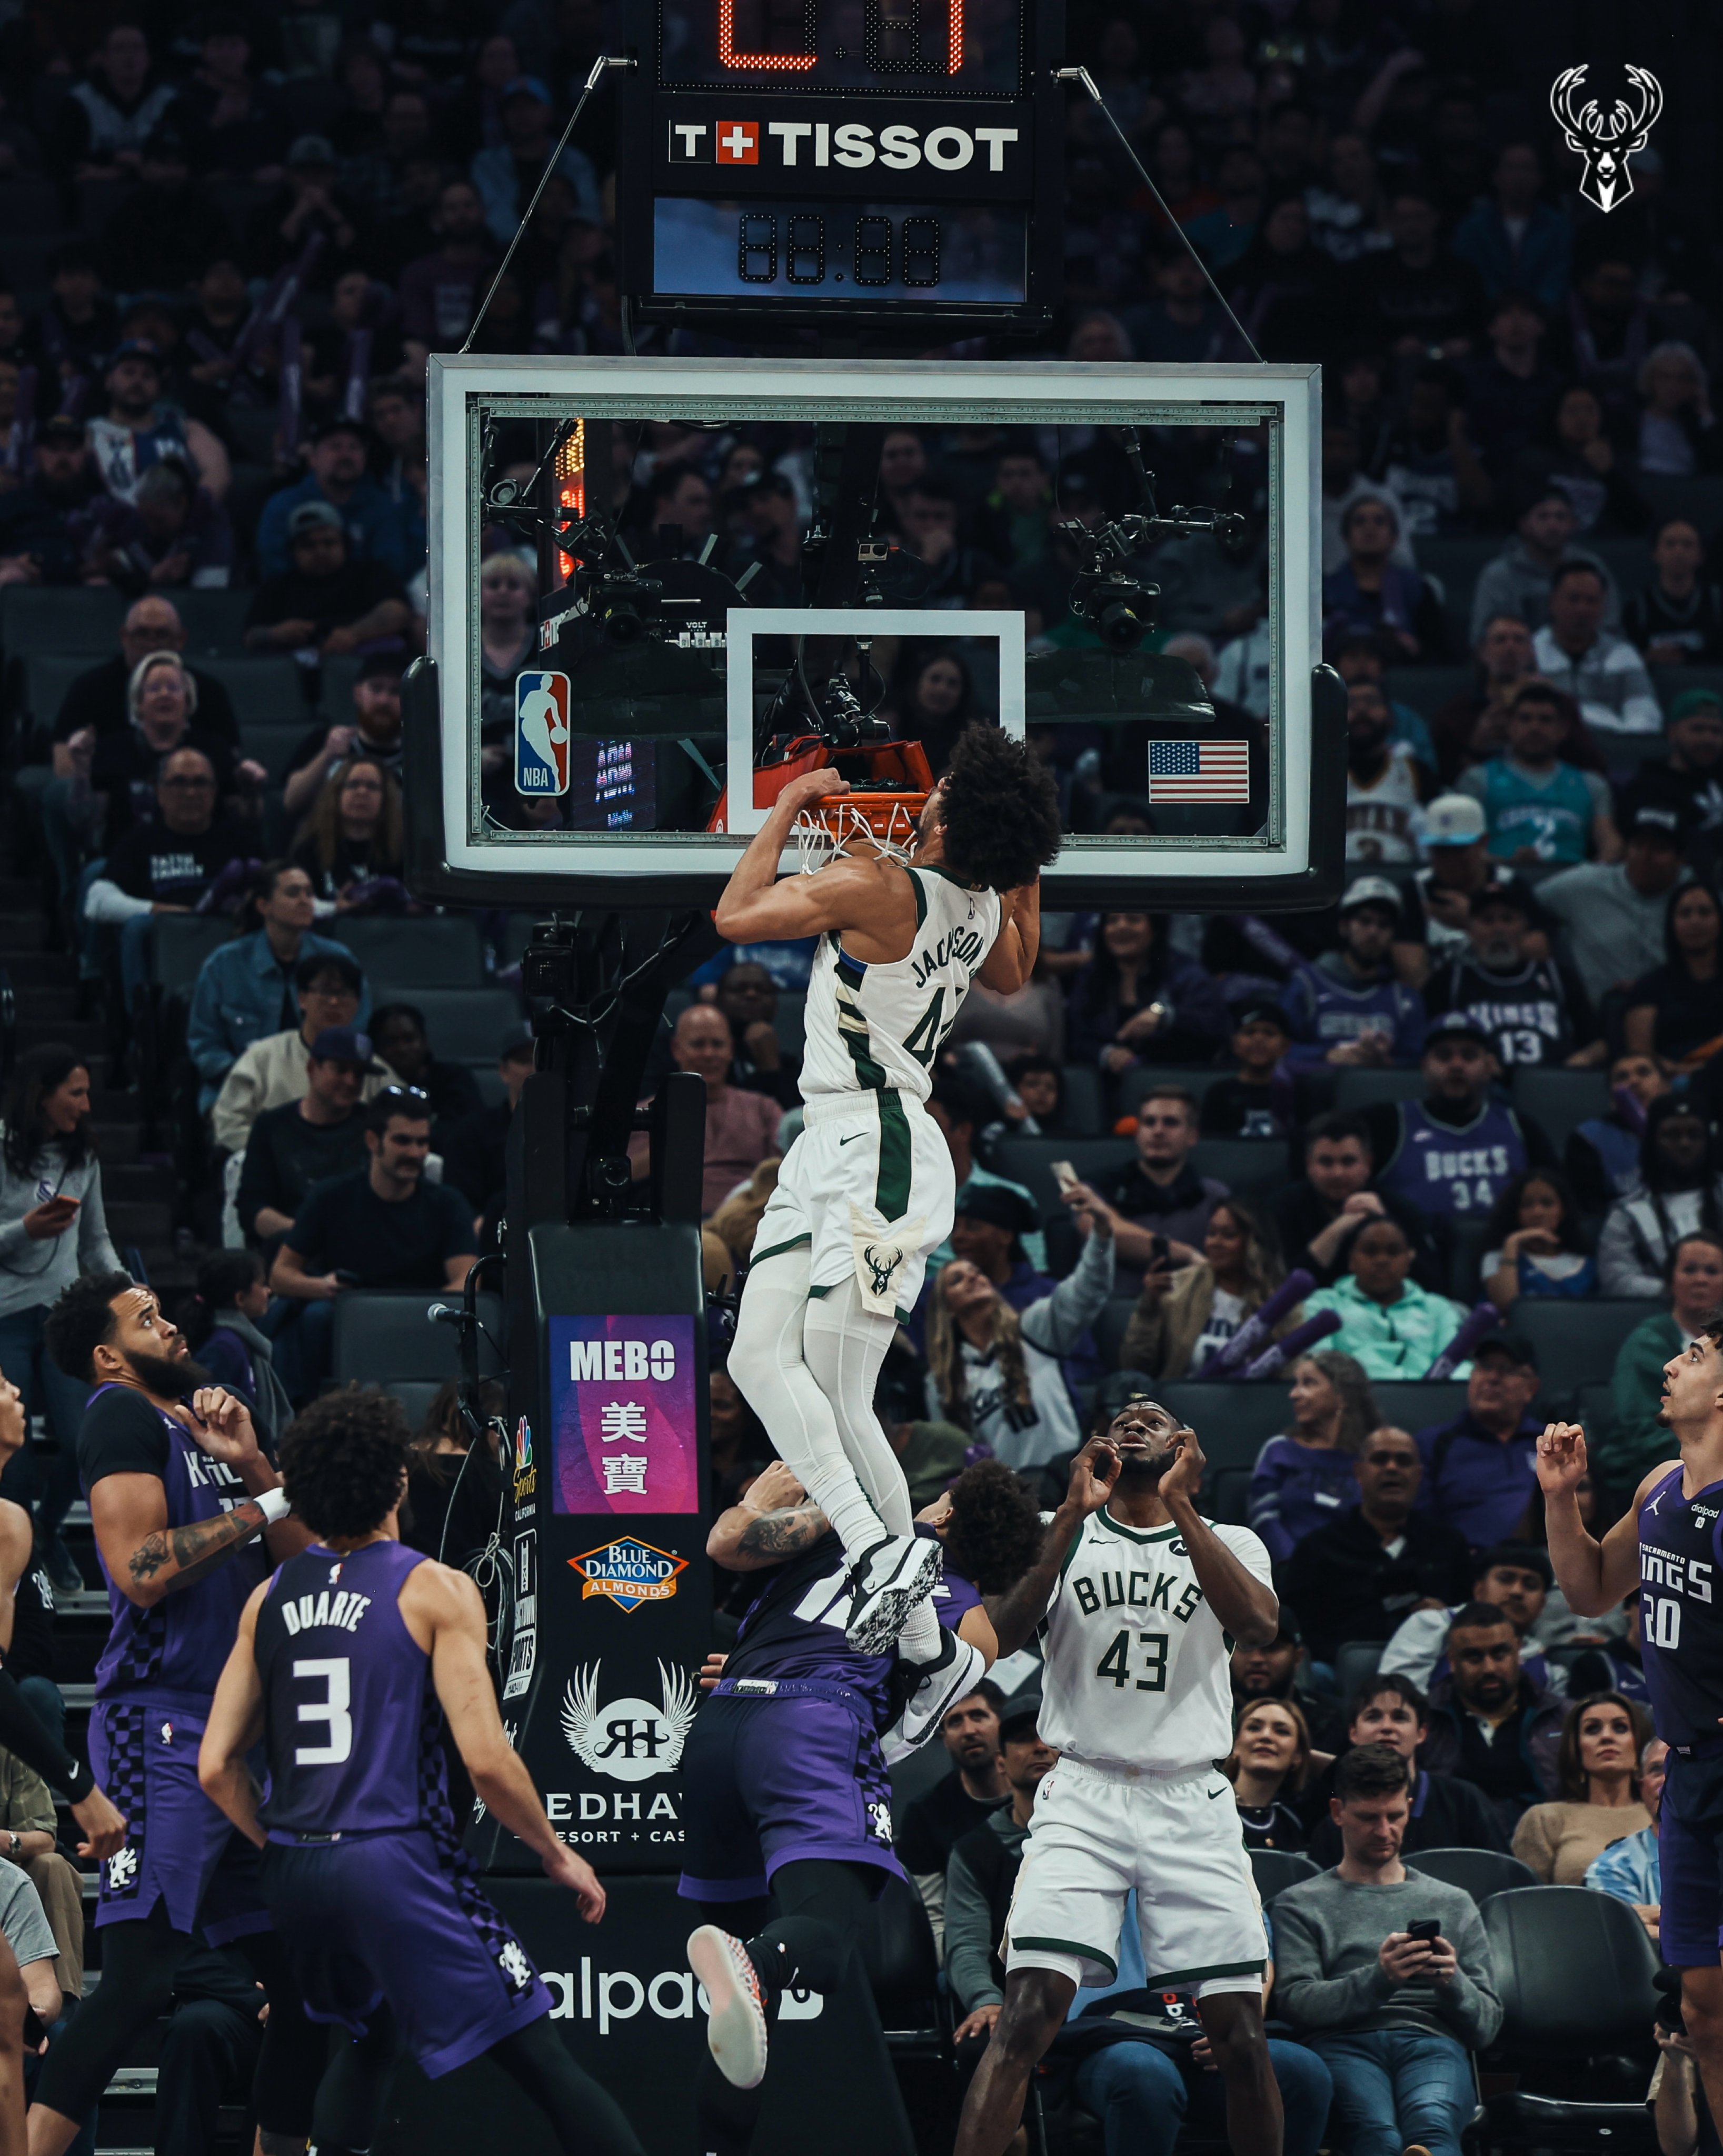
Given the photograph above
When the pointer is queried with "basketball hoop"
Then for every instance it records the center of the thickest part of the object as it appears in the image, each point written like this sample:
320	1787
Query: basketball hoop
885	821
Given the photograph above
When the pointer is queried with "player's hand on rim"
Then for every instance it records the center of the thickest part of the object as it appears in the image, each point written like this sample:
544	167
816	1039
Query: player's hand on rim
1562	1460
811	786
563	1868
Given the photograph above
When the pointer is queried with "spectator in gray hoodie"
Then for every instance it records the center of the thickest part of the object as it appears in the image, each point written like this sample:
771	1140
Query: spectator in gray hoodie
1518	581
1394	2016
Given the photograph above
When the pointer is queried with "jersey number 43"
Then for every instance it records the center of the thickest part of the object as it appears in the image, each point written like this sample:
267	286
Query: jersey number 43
1116	1662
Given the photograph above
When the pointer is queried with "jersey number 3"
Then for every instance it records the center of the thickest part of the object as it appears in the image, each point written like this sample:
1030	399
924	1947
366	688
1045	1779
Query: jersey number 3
1116	1662
335	1675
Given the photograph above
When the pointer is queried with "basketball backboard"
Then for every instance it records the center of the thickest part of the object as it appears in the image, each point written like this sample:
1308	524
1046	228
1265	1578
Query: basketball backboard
627	530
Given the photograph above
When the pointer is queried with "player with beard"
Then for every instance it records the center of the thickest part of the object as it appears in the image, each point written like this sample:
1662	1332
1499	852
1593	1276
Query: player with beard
1534	1010
1135	1595
188	1516
1669	1543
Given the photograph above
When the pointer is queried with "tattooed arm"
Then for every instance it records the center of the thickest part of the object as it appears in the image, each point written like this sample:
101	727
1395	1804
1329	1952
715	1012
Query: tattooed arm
775	1519
147	1559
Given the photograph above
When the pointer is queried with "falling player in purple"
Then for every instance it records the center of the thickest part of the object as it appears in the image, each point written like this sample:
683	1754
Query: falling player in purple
182	1502
1670	1542
345	1665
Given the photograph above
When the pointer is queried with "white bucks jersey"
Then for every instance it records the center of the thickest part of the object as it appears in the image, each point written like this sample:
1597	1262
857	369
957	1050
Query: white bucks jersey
871	1028
1137	1665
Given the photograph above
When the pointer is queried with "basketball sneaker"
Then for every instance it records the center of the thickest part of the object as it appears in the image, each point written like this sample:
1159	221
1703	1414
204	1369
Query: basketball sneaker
736	2028
887	1581
928	1690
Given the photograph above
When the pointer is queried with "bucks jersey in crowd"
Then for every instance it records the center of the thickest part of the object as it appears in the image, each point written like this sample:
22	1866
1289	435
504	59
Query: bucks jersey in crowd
1136	1698
1458	1167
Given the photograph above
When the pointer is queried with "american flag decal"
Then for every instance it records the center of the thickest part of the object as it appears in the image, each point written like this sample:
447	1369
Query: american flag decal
1190	771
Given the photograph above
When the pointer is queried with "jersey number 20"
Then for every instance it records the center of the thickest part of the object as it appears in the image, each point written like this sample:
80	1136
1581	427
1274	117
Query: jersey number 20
1116	1662
335	1674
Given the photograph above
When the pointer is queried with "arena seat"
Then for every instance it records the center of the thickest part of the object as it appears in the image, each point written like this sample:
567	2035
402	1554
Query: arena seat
902	1966
384	1335
1479	1872
1700	499
182	942
1275	1870
410	952
1574	1971
1134	1084
1426	689
266	691
1357	1090
1225	1497
464	1025
80	620
1414	1405
1083	1101
1109	1328
273	746
1242	1164
415	1395
1594	1405
1578	1338
1355	1662
1232	1422
1558	1102
1468	1246
38	681
215	619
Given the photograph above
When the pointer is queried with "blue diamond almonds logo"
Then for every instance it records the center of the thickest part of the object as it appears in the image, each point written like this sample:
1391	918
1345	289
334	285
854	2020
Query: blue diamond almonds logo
629	1572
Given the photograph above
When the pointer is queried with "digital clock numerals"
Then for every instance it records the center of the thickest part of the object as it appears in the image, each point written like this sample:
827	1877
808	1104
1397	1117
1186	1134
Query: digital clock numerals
793	62
805	253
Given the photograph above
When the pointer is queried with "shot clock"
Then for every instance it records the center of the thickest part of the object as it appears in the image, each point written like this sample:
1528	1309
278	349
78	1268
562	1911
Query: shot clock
877	161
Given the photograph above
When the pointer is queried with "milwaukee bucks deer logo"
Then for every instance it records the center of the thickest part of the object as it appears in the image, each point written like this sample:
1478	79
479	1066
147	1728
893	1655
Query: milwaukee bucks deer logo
881	1269
1606	143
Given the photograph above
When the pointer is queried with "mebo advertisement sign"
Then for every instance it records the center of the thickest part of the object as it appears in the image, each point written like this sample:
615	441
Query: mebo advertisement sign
623	1414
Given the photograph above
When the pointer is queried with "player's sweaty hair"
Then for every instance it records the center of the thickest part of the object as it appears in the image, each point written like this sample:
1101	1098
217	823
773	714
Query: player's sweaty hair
344	1462
995	1532
1001	811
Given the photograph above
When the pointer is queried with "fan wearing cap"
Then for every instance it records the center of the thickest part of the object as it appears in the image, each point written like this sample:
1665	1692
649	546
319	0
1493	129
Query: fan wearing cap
507	176
306	1141
1438	900
326	602
1480	1468
1613	910
331	992
308	202
1541	806
1349	1008
1534	1010
138	429
336	476
1689	779
38	542
1452	1153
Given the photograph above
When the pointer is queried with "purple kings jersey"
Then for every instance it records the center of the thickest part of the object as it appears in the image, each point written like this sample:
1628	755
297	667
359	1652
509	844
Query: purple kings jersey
1681	1610
794	1628
174	1652
351	1717
1457	1170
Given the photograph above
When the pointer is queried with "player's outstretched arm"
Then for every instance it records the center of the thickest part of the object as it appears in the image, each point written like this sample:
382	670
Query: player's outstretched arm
1594	1576
1016	1614
774	1519
234	1726
757	907
1247	1606
1010	961
443	1605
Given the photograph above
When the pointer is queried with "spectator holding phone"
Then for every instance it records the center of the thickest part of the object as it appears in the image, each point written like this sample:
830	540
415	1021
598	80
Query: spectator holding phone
52	1228
1385	1972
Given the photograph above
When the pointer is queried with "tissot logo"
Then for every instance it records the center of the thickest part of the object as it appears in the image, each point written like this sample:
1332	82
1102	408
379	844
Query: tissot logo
797	144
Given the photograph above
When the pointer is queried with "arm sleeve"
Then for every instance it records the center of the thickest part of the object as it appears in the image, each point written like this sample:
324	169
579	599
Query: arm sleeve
1262	1504
1416	1648
1302	1993
1641	711
24	1920
305	1237
106	903
236	1106
1621	1266
969	1944
259	1184
205	1039
95	1247
1058	1321
22	1733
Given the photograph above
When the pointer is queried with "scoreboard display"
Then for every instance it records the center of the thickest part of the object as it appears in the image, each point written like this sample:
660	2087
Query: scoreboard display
879	160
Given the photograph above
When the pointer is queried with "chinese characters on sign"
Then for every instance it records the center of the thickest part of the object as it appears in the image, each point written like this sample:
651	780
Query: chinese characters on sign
622	1397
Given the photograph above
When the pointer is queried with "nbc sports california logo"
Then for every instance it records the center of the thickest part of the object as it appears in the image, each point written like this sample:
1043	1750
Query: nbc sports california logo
1606	141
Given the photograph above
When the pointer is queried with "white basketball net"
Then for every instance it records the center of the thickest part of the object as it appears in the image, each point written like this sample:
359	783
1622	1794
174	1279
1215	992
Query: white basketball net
822	834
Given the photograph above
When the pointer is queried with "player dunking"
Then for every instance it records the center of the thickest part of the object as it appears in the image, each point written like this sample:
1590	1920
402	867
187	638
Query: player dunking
866	1192
1669	1543
339	1669
1136	1595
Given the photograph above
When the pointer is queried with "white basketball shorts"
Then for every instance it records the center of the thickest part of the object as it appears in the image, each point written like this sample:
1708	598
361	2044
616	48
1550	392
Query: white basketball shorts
1098	1832
869	1185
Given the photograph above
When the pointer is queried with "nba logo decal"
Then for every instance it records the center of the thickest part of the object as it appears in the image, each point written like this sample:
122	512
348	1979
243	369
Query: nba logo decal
542	733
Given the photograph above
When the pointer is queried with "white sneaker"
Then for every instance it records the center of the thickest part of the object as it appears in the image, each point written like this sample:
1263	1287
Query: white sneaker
934	1688
888	1580
736	2027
